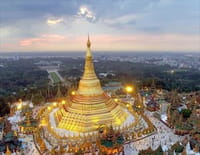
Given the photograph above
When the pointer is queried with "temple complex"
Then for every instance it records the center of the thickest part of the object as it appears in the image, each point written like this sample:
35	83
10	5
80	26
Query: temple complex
9	142
29	124
77	120
87	120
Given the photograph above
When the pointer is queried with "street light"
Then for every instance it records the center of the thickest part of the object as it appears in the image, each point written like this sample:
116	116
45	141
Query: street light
54	103
129	92
63	102
19	106
129	89
49	108
116	100
73	92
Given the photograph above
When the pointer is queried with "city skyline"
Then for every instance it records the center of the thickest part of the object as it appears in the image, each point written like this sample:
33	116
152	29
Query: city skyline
122	25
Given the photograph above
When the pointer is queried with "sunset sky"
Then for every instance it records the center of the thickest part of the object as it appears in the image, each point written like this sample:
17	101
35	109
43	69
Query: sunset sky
113	25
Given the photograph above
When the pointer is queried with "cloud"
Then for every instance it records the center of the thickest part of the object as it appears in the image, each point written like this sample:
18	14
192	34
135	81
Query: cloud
27	21
14	11
55	21
5	32
44	39
146	42
122	21
106	42
86	13
167	42
169	16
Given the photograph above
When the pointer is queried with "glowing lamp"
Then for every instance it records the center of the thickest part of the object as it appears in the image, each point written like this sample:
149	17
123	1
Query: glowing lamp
19	106
73	92
63	102
116	100
129	89
54	103
172	71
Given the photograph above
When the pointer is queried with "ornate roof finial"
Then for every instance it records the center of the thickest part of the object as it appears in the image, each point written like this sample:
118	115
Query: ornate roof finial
88	42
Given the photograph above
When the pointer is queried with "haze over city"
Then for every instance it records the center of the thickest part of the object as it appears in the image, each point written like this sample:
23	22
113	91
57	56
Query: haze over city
118	25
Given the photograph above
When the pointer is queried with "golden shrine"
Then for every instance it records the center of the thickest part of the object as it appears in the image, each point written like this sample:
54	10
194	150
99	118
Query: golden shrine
89	107
75	123
28	125
77	120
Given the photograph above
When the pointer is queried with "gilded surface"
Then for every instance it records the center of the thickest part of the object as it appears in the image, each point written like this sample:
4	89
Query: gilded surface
89	107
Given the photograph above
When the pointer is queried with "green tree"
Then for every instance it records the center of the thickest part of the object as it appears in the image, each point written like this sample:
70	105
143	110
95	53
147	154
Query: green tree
38	99
148	151
179	149
159	151
4	107
186	113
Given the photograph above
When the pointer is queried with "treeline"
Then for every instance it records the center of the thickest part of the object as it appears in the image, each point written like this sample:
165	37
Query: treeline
21	75
184	80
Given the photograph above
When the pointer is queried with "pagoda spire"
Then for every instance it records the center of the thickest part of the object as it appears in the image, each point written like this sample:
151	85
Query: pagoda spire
89	83
88	42
138	104
89	72
59	93
8	152
174	99
88	53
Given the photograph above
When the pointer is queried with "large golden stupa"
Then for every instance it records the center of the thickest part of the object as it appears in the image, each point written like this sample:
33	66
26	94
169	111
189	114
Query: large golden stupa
76	122
89	107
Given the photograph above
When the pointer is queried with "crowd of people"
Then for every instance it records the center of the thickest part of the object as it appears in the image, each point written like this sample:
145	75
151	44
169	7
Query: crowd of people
164	137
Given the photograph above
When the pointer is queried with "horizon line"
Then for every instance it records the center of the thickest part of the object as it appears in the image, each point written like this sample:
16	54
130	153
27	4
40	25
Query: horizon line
99	51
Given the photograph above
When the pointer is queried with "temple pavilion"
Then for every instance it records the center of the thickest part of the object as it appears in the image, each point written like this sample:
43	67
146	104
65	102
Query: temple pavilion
29	124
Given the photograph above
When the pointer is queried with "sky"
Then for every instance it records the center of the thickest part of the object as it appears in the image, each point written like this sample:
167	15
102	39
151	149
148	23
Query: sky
113	25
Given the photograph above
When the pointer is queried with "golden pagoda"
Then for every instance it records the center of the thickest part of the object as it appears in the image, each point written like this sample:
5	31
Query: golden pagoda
89	107
138	104
8	152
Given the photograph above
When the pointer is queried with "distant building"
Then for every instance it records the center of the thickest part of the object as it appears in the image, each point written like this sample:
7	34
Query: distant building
112	86
163	107
48	65
1	129
103	75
